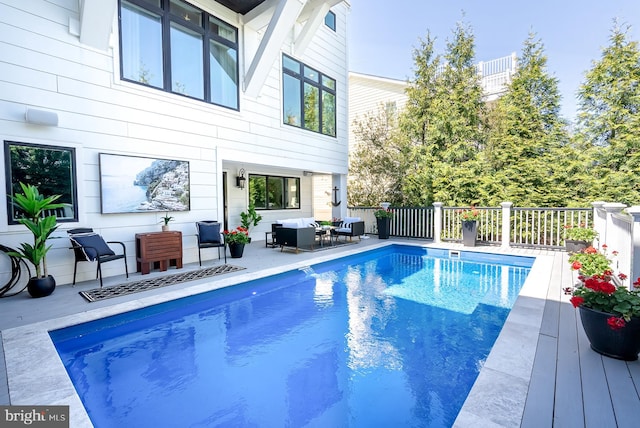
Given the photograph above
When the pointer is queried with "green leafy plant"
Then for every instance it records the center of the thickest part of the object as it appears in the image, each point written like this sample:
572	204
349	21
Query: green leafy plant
33	206
240	235
580	233
250	218
166	219
599	293
590	262
470	214
383	213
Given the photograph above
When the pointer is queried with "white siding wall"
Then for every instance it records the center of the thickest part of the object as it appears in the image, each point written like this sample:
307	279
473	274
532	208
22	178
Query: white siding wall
367	94
42	65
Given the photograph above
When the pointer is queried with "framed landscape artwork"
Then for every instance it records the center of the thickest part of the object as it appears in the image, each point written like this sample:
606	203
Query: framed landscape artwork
133	184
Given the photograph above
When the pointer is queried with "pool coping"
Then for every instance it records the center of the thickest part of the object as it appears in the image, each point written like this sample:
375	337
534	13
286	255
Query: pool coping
36	373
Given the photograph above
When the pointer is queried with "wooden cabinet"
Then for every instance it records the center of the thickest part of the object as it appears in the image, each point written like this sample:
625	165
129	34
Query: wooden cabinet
162	249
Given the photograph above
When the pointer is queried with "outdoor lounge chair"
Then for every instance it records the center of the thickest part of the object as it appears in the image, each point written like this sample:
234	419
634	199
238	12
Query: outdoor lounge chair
350	227
210	235
297	237
88	246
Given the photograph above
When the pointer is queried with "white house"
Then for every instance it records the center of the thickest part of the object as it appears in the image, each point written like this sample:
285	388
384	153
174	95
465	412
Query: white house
93	91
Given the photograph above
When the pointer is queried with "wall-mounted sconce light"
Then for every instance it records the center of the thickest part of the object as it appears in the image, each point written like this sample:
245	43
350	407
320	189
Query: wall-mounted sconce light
240	179
41	117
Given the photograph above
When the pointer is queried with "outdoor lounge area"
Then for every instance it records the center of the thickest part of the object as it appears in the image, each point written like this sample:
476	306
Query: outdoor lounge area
540	373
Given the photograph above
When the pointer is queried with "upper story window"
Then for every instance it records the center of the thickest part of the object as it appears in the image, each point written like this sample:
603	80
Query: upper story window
174	46
51	169
309	97
330	20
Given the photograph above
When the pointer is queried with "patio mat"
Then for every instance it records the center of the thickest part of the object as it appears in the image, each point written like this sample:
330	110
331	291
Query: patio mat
160	281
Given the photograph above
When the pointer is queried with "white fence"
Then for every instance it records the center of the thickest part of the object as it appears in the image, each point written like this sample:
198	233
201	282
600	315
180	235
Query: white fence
618	227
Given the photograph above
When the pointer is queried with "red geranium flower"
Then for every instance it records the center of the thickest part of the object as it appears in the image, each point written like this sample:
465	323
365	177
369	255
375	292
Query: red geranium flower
576	265
590	250
576	301
616	323
622	276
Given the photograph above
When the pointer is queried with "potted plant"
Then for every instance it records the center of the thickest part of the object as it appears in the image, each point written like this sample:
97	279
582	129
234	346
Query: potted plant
236	240
166	219
250	218
578	237
590	262
610	315
33	206
469	218
383	220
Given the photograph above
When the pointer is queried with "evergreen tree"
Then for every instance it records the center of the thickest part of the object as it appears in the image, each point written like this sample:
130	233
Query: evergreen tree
528	138
609	120
443	119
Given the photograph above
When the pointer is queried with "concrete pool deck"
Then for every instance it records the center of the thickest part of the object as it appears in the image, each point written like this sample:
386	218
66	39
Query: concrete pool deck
532	376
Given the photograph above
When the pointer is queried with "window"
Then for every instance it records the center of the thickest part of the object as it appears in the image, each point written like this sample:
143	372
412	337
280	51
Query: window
330	20
274	193
309	98
176	47
51	169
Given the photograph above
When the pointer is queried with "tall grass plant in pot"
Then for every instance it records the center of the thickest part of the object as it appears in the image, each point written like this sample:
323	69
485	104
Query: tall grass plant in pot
33	207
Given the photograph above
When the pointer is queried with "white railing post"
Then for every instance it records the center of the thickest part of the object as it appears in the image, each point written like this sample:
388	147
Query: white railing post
506	223
599	220
610	209
634	272
437	222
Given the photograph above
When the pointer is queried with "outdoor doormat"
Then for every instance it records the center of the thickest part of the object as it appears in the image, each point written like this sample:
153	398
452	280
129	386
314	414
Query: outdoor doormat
160	281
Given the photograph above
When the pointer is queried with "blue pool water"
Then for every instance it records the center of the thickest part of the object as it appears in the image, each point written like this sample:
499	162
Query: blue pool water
393	337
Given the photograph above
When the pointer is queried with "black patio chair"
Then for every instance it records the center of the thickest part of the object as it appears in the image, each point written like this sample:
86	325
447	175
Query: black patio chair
210	235
88	246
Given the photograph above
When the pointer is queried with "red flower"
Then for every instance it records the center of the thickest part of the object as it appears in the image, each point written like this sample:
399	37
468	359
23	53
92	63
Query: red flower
615	253
607	287
637	282
604	246
622	276
616	323
592	283
590	250
576	265
576	301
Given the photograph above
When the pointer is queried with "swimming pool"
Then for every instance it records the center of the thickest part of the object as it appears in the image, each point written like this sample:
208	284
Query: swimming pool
360	341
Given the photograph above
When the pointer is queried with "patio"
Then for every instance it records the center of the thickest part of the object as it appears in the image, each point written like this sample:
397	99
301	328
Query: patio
540	373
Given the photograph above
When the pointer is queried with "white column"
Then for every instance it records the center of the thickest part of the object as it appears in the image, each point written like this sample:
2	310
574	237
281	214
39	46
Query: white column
599	219
634	272
506	223
437	222
610	209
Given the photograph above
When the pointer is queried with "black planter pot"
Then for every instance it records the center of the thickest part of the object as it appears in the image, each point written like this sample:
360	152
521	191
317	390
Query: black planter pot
469	233
622	344
236	250
384	227
574	246
41	287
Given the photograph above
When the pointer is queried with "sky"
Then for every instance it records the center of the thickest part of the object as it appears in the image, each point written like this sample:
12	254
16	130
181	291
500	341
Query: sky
383	34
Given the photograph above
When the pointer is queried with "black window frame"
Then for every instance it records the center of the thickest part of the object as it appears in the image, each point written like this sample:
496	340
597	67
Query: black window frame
285	194
13	186
318	84
167	18
330	20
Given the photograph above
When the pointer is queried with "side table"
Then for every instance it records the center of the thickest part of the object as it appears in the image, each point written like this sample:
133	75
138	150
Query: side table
162	249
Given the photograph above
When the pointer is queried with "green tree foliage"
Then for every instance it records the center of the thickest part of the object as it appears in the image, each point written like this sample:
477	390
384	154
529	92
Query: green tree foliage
378	161
528	139
449	145
609	120
444	120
